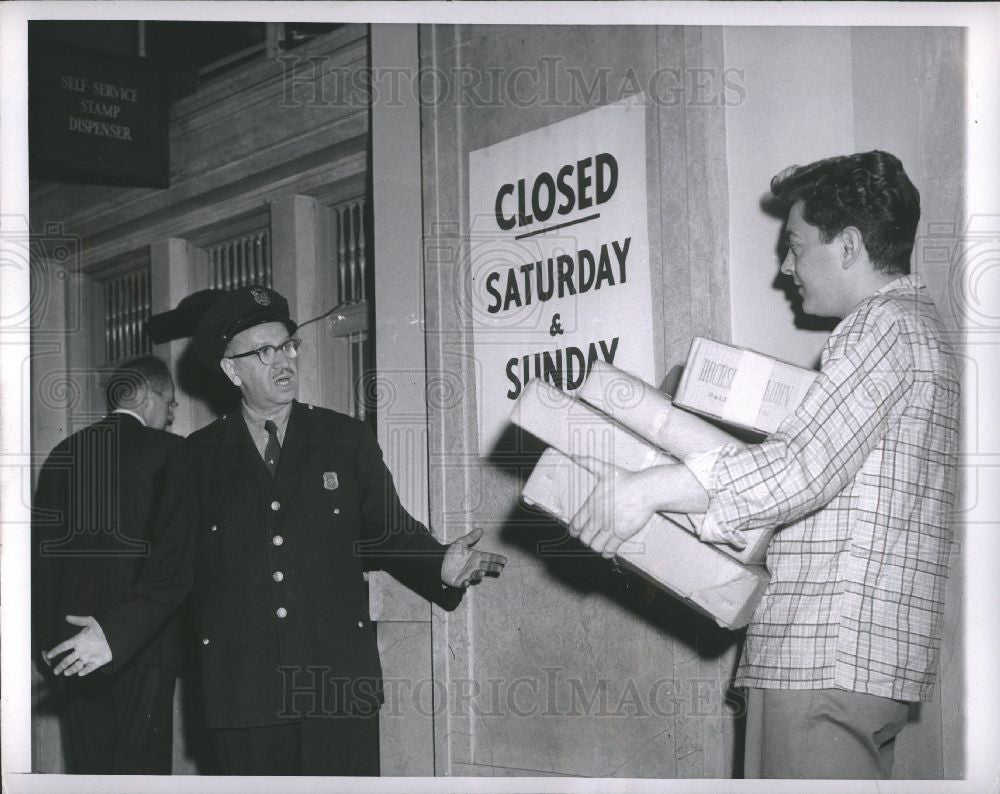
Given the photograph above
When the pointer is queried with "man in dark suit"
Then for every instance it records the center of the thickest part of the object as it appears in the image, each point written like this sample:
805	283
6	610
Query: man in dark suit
93	512
272	514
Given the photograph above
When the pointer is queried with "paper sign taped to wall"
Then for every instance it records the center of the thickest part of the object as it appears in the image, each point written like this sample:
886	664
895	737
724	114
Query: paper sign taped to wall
559	257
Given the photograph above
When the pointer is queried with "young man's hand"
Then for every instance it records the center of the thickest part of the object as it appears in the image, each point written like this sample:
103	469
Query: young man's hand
617	508
622	503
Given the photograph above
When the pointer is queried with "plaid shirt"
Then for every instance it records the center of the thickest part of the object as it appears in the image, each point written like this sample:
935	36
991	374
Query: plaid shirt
861	478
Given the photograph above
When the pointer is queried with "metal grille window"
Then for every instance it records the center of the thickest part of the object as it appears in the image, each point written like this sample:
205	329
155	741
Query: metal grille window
352	247
363	377
127	303
241	261
349	249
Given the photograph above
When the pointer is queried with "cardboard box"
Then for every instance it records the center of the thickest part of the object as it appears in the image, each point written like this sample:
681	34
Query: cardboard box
646	411
740	387
671	557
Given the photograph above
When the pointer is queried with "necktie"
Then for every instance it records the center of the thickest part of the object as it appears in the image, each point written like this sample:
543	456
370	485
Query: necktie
272	452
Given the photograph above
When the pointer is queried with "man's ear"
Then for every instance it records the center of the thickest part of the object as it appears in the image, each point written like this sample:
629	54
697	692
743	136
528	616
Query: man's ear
143	402
229	368
852	246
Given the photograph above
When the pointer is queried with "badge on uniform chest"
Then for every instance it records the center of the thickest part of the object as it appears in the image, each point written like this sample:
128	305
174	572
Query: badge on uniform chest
330	481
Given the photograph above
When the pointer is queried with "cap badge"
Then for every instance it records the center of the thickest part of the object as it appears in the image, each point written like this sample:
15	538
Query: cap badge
330	481
260	295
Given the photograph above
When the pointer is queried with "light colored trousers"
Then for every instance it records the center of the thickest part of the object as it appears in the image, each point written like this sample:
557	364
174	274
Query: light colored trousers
821	734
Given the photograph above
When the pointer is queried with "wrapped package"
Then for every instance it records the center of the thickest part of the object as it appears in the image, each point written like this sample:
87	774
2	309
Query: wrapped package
740	387
699	574
650	413
577	429
580	431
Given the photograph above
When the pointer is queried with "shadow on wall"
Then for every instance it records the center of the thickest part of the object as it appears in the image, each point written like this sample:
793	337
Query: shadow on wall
211	386
573	564
583	572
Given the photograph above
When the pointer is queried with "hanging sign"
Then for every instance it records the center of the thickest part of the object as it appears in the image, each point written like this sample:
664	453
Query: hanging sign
559	257
96	117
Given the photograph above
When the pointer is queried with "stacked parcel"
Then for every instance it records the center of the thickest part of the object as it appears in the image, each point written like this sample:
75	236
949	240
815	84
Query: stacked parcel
741	387
622	421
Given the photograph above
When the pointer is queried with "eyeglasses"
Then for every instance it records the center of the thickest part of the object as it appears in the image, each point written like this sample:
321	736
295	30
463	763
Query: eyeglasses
171	403
266	353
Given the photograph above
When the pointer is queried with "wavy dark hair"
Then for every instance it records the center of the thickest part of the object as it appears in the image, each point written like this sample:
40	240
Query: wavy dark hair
869	191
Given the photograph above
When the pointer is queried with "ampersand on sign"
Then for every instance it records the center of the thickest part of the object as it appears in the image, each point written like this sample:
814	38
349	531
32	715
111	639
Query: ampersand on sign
556	328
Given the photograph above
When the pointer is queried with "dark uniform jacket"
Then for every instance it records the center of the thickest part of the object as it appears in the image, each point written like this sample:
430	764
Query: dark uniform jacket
92	523
277	566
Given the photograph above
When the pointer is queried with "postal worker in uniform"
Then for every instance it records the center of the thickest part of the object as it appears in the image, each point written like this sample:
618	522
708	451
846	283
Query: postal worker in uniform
271	516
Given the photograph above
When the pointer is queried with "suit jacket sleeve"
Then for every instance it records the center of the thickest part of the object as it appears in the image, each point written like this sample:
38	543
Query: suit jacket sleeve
167	575
48	525
392	539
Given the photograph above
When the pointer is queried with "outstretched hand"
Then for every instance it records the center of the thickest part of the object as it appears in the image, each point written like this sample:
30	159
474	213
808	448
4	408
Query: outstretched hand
464	565
86	651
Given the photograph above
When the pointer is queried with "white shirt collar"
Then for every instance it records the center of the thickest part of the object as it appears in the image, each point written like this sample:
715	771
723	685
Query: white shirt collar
130	413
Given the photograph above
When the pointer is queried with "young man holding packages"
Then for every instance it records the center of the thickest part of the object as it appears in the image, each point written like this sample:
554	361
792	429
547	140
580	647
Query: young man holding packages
861	478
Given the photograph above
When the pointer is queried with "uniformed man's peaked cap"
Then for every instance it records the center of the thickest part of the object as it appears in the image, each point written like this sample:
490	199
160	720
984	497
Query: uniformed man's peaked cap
235	311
